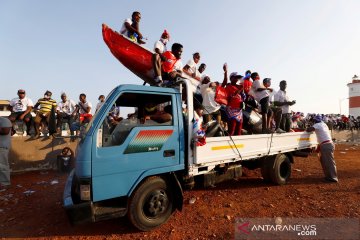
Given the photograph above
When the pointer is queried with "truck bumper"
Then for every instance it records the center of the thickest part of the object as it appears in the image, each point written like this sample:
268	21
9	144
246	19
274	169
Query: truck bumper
77	213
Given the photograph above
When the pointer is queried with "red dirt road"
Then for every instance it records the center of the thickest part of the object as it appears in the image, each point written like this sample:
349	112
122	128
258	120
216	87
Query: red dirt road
40	214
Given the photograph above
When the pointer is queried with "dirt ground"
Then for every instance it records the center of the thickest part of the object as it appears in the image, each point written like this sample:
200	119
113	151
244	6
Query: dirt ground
39	214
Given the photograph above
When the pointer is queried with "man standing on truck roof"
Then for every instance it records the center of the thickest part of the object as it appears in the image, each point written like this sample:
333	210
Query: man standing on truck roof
327	148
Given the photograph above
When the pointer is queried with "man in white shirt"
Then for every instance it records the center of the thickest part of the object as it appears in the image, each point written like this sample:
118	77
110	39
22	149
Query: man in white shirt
261	94
326	148
211	108
20	108
282	100
191	66
130	28
157	58
64	111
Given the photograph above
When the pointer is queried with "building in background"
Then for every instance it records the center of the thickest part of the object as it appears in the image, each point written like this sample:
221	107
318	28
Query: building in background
4	108
354	96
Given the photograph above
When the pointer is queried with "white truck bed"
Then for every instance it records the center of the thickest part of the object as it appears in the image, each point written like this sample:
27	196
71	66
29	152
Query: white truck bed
218	150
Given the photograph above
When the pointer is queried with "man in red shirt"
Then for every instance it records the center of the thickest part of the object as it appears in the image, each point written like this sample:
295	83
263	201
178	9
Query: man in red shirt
171	67
234	106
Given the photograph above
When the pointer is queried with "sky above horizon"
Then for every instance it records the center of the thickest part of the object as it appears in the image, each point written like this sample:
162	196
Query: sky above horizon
58	46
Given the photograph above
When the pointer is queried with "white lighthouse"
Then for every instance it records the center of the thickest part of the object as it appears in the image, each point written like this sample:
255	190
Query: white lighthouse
354	96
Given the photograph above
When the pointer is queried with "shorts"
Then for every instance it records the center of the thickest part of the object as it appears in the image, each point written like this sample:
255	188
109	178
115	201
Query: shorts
40	116
264	104
212	116
16	115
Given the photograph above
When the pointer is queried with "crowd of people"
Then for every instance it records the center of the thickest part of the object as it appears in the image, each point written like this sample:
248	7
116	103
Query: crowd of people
66	111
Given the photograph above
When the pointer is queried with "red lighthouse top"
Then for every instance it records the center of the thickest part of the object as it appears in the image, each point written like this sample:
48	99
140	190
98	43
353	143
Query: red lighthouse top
355	79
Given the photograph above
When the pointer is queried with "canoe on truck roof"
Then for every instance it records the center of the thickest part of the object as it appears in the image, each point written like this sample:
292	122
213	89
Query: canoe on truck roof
133	56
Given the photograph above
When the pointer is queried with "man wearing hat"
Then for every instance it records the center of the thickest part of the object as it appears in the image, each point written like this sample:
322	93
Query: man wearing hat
45	105
20	108
326	146
64	110
159	49
235	102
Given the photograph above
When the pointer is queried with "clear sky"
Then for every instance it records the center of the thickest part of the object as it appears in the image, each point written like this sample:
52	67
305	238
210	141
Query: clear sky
58	45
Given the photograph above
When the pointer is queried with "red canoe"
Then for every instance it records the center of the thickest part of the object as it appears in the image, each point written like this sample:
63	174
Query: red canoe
132	55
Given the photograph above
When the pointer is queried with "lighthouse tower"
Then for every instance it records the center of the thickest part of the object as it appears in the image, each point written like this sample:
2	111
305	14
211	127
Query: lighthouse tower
354	96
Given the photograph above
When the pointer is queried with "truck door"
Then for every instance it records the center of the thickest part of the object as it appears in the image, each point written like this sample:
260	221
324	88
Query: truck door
139	133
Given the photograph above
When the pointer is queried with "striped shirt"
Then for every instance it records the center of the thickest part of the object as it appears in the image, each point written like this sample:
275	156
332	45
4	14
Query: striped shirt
46	104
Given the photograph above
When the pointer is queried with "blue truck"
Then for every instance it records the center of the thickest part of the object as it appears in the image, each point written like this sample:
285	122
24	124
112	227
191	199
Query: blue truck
139	168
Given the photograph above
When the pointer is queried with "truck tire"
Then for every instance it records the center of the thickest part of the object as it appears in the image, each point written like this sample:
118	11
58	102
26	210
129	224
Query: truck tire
151	204
281	169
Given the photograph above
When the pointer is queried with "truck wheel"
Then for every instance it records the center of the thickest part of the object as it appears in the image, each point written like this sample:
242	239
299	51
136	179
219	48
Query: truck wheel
151	204
281	169
266	168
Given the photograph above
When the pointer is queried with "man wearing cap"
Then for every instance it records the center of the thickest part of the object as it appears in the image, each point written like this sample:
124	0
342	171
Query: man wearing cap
5	142
45	105
235	102
20	108
64	110
159	49
327	148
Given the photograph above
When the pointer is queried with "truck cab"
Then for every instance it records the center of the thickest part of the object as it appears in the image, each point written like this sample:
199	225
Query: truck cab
125	163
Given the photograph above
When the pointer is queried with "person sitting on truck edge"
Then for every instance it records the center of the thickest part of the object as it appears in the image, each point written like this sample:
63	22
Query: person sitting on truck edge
157	58
21	108
326	146
171	68
282	100
46	104
235	102
130	28
261	95
153	116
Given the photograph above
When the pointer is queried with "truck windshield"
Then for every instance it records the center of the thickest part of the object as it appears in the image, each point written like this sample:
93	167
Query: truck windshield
133	109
